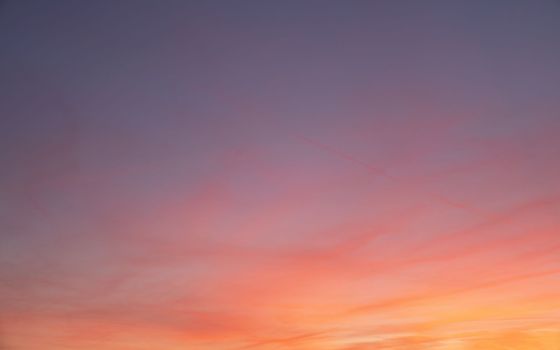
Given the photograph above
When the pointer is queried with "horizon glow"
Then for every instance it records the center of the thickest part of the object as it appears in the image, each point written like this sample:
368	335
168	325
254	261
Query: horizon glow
269	175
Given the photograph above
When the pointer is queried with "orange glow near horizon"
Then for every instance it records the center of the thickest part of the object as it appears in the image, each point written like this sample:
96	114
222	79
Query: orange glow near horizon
294	175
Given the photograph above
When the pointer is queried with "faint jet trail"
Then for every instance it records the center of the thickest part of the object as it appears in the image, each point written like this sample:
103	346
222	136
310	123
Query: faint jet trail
383	173
348	157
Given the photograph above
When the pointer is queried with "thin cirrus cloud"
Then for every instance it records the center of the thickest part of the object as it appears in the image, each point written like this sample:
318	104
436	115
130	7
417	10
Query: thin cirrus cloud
292	175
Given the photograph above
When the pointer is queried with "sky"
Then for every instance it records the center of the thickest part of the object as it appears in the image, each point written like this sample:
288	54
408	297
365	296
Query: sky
270	175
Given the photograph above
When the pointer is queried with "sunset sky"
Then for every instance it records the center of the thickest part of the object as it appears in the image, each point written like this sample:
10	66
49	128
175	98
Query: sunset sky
279	175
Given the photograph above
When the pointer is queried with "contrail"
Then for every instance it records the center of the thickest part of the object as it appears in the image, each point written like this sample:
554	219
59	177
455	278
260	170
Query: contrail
383	173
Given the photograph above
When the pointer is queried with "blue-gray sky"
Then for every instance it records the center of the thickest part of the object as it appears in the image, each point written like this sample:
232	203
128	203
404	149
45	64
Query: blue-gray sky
328	175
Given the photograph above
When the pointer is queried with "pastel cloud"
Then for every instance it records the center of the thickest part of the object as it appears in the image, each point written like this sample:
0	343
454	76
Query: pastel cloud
290	196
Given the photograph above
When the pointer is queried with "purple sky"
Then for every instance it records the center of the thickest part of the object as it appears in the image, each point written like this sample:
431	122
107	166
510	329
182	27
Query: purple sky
332	175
